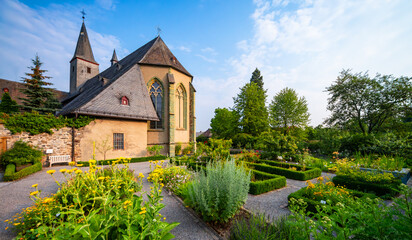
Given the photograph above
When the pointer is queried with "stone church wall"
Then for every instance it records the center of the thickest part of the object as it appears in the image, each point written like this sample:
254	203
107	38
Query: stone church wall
60	141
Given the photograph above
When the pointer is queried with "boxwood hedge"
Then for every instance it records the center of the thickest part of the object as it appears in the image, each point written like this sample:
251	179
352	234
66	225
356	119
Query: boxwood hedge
265	182
385	191
284	169
10	174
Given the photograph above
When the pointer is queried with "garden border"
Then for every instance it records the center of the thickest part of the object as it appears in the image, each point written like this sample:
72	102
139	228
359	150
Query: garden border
273	168
10	174
266	183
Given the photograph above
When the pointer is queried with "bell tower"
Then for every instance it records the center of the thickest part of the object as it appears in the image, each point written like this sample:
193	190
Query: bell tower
82	66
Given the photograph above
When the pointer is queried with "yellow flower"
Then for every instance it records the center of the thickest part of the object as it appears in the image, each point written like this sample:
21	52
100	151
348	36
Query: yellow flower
92	161
63	170
34	193
51	172
78	171
320	179
35	185
72	163
16	224
164	218
6	228
100	178
142	212
79	165
47	200
141	175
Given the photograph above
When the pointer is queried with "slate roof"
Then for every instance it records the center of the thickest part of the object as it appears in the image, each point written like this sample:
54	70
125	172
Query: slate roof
89	98
83	47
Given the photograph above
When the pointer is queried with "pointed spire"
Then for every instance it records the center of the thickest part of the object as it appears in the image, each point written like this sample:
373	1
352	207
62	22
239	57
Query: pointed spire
83	47
114	57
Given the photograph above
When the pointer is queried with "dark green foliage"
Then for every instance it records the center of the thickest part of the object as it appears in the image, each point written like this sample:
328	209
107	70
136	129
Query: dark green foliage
264	182
365	104
312	204
11	175
385	191
35	123
37	96
250	106
285	169
132	160
21	153
202	139
257	78
8	105
244	140
278	144
224	124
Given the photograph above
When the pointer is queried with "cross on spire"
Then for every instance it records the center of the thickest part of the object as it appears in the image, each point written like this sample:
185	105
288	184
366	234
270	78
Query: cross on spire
83	14
158	30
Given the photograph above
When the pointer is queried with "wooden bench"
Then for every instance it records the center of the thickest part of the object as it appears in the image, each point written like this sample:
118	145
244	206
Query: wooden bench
59	159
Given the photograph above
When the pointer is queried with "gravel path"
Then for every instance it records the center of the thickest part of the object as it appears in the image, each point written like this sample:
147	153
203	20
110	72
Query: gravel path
274	204
15	195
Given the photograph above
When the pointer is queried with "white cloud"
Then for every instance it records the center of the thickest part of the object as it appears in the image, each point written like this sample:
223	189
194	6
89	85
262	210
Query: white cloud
209	50
107	4
52	34
207	59
185	49
305	44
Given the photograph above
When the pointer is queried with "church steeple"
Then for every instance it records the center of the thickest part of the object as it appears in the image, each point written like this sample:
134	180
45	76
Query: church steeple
83	47
82	66
114	57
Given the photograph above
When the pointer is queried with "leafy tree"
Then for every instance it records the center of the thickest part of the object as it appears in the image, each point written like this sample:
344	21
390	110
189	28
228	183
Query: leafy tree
37	96
225	123
8	105
250	106
288	110
367	102
257	78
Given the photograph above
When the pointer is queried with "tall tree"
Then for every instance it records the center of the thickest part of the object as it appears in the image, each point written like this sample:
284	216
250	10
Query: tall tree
257	78
8	105
250	106
368	102
225	123
37	96
287	109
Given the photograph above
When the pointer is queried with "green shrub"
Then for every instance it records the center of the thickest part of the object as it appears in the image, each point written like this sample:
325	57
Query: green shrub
155	150
11	175
178	148
187	150
35	123
220	191
259	227
385	191
291	171
21	153
244	140
264	182
215	149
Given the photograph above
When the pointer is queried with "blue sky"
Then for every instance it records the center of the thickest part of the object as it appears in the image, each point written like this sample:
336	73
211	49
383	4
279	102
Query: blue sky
298	44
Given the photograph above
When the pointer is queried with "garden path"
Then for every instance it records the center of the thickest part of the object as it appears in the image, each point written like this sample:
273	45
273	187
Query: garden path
15	195
274	203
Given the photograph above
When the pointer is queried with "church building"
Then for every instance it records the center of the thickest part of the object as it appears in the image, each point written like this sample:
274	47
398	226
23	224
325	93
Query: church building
145	99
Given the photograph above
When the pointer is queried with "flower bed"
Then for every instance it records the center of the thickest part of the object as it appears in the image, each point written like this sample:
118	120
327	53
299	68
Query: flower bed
264	182
325	193
385	191
131	160
291	171
98	203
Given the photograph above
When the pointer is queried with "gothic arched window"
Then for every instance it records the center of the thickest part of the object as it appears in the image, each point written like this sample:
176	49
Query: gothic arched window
181	105
156	95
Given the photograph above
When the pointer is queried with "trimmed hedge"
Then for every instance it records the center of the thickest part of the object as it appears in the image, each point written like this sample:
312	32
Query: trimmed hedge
385	191
280	169
133	160
11	174
265	182
300	194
